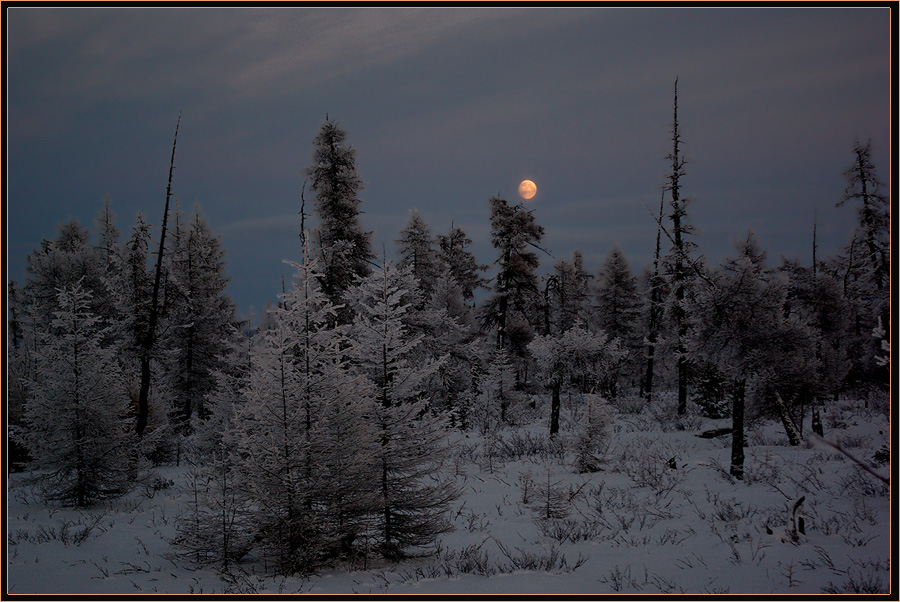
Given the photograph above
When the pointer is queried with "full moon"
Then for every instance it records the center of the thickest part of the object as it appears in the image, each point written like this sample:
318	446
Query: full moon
527	189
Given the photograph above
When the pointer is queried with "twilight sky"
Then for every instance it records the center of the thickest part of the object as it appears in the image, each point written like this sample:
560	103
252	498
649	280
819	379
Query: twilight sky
446	107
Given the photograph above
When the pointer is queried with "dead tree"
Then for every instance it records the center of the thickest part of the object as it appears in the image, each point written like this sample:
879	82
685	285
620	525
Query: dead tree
149	339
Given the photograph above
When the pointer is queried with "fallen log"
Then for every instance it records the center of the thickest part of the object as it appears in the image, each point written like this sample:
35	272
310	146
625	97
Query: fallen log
712	434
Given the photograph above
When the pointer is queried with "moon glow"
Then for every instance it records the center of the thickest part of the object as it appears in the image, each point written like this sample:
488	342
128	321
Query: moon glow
527	189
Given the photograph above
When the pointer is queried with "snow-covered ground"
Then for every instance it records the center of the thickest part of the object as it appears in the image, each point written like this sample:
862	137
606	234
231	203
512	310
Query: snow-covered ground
661	516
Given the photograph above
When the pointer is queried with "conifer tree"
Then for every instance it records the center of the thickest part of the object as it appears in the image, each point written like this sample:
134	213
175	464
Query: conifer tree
454	256
449	339
108	250
566	294
412	499
214	527
740	324
76	414
495	397
302	442
345	250
592	433
416	249
578	355
274	451
867	265
512	309
60	263
337	424
815	297
199	315
617	309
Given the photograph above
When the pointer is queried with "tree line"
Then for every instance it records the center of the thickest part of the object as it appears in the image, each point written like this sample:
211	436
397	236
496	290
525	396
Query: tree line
316	433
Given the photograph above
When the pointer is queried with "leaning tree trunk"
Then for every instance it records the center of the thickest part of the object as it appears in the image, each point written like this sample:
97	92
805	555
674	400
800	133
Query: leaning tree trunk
150	338
790	428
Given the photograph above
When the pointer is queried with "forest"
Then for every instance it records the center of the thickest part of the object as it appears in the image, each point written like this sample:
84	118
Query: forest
327	433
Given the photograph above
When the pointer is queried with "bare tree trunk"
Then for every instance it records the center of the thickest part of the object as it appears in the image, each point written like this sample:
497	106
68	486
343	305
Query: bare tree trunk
554	408
653	329
737	429
679	269
793	433
150	338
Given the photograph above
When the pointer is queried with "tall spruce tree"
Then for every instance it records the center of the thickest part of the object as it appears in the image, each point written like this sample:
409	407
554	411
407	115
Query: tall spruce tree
345	250
617	310
465	269
416	250
60	263
199	314
566	294
513	307
867	280
815	296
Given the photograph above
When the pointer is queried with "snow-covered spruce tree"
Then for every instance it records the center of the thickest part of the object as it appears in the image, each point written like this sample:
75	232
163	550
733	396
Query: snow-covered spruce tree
270	439
580	355
108	237
338	418
19	363
741	326
199	315
465	269
60	263
710	391
442	321
592	433
495	397
448	296
214	529
229	381
110	253
133	295
867	267
513	309
416	249
815	297
77	427
344	249
412	498
566	295
874	214
551	501
617	312
303	444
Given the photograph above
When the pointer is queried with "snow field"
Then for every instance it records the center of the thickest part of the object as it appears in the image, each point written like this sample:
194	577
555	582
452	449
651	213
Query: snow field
662	515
